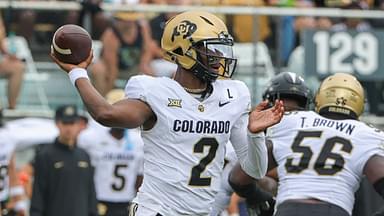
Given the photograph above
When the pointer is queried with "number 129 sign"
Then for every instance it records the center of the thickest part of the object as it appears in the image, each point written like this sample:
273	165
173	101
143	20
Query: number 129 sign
359	53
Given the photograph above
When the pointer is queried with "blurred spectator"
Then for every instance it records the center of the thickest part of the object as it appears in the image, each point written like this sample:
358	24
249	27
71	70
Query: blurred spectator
93	18
357	24
378	5
39	26
11	68
237	23
157	24
63	182
125	45
117	155
25	175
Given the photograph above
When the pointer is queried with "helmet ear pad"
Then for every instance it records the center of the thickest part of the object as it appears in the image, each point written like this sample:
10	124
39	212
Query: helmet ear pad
185	59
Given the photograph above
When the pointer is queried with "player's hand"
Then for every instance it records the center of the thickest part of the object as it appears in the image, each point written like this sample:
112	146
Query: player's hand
261	117
68	67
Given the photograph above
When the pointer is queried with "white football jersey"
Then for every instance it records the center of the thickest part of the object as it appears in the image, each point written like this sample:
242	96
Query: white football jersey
117	162
184	151
322	158
7	147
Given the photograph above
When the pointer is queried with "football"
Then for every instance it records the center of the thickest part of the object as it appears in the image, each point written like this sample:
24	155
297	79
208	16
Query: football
71	44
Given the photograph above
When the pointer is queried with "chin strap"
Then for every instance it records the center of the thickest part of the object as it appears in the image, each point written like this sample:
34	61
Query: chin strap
207	91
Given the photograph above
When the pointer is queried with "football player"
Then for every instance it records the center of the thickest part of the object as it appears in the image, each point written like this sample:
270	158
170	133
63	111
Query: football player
321	156
186	121
292	90
117	155
12	196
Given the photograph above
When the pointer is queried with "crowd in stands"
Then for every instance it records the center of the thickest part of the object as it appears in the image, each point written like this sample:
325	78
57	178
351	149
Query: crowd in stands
130	41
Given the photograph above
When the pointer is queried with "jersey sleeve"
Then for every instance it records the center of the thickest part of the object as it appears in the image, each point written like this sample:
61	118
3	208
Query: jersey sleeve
370	143
250	148
137	87
239	130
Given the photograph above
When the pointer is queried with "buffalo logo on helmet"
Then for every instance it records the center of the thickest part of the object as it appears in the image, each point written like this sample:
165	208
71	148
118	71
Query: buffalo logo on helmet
185	28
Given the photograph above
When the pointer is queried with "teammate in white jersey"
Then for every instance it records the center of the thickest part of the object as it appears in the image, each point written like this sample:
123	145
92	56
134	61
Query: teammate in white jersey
186	121
10	188
117	155
292	90
321	158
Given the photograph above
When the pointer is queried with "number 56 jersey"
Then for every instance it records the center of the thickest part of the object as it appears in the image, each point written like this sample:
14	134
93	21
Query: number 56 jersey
184	152
321	158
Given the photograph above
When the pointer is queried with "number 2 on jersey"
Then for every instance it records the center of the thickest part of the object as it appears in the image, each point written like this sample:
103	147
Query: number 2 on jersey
320	166
196	179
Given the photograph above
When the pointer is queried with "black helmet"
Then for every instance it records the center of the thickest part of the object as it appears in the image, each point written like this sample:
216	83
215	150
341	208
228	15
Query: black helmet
288	85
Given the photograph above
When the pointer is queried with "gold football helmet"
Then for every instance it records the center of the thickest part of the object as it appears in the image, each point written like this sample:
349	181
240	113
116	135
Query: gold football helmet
340	93
199	41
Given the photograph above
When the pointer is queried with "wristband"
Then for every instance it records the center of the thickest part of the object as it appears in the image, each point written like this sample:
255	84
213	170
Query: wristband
16	191
256	135
77	73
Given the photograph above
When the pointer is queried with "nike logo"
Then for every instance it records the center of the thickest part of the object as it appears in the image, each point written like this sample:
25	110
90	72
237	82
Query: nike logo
223	104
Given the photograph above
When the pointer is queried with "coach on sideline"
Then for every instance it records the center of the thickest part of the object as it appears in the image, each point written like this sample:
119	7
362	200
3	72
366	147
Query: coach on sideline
63	183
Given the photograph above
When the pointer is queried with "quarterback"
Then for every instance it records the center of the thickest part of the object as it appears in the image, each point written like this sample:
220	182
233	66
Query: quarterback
186	120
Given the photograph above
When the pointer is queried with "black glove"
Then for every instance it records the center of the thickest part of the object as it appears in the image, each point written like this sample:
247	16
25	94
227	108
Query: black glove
262	208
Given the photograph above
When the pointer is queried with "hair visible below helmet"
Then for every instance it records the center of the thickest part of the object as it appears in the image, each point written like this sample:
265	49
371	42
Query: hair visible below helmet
340	93
192	35
288	85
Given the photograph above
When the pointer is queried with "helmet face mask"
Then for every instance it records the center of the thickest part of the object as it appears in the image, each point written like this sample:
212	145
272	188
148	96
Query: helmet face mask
199	42
214	59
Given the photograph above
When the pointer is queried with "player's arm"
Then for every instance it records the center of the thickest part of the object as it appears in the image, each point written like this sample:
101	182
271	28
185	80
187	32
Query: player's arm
127	113
248	139
254	166
375	173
